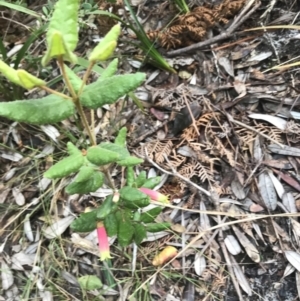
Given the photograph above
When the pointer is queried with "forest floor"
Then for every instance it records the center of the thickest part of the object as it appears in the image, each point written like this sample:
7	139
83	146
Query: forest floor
222	130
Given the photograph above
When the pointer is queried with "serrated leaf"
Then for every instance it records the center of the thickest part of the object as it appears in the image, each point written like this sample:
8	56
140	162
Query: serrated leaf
110	70
139	233
49	109
91	185
109	90
65	167
122	151
86	222
89	282
111	225
101	156
150	215
130	161
121	137
75	80
158	227
84	174
267	191
64	21
152	182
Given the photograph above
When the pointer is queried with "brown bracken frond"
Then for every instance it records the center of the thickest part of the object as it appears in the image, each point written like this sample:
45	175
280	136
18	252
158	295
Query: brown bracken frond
191	27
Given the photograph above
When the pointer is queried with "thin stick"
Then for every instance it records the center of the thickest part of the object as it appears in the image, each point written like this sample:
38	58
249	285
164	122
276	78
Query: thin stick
191	114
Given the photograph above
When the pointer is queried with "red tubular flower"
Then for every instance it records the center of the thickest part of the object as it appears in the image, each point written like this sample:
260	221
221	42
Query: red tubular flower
103	242
155	195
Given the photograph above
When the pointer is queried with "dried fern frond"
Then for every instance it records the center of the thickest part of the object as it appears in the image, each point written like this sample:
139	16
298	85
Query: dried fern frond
192	26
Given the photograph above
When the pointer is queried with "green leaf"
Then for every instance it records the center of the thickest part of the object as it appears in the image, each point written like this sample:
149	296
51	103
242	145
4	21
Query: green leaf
136	204
56	48
29	81
158	227
75	80
106	51
20	8
133	198
141	179
111	225
125	228
106	46
152	182
121	137
84	174
90	282
106	208
130	176
49	109
72	149
10	73
109	90
101	156
132	194
64	22
122	151
110	70
130	161
139	233
86	222
91	185
65	167
150	215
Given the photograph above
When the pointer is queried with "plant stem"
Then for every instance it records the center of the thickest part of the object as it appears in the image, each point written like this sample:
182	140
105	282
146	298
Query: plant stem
61	65
84	121
51	91
76	101
108	177
86	76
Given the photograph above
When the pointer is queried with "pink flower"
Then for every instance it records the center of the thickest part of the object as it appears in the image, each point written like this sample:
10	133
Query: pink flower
103	242
155	195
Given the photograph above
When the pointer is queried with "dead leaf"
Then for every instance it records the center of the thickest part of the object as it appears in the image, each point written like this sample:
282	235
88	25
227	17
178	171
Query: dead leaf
267	190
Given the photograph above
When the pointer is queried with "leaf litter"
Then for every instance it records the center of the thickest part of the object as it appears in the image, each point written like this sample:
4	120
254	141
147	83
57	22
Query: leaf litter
232	129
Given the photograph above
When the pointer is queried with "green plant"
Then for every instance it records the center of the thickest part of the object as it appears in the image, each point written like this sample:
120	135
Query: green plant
181	4
120	212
